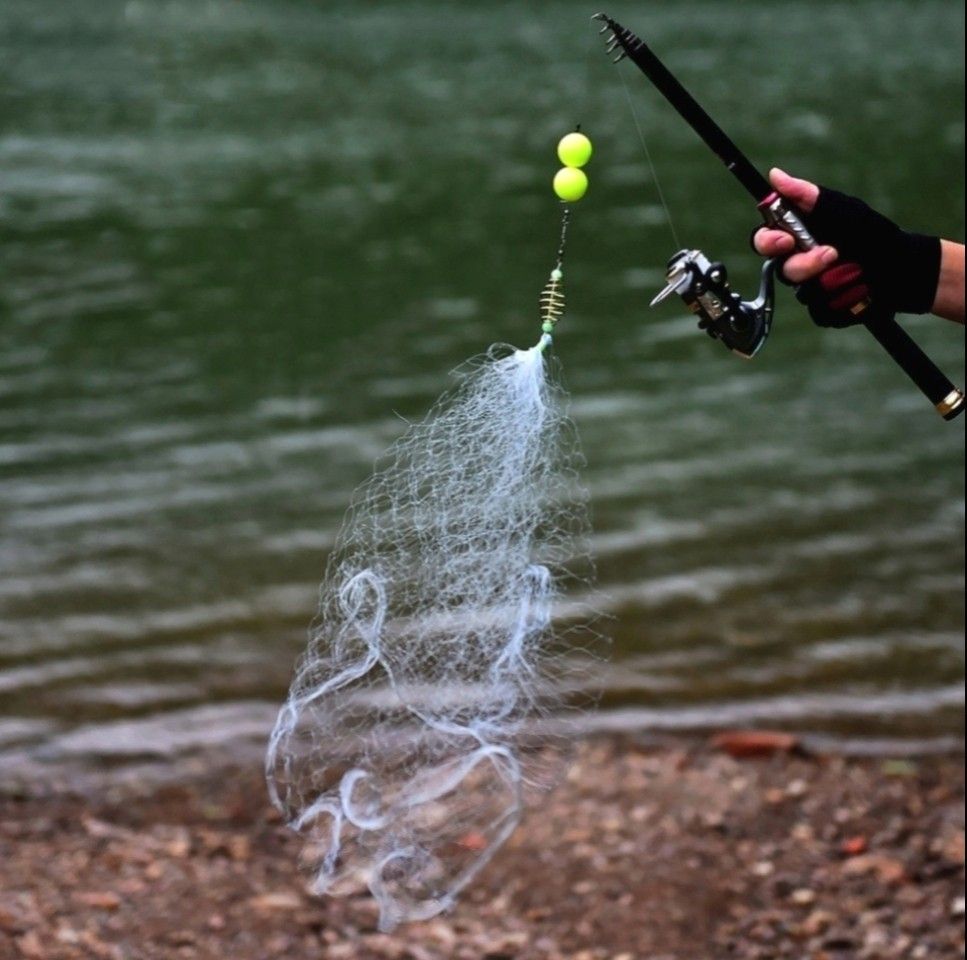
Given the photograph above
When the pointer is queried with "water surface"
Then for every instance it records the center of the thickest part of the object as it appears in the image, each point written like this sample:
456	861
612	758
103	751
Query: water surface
243	242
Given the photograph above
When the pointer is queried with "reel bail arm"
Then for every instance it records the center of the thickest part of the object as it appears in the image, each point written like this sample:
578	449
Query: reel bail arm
741	325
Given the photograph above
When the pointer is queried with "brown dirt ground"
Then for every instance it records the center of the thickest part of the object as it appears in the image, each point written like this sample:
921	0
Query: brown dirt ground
670	854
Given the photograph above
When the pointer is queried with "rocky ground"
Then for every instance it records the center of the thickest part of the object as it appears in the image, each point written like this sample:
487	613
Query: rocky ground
698	853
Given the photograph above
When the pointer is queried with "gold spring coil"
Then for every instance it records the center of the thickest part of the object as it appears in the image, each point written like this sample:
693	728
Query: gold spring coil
552	300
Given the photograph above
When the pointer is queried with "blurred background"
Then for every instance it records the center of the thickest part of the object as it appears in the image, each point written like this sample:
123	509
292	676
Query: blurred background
242	241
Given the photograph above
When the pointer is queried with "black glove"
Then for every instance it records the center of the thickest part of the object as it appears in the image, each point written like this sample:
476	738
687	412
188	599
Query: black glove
896	271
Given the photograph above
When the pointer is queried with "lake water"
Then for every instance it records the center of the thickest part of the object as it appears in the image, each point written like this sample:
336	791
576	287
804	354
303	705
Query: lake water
243	241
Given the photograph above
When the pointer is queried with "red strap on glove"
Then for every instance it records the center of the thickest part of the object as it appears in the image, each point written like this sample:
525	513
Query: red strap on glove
845	286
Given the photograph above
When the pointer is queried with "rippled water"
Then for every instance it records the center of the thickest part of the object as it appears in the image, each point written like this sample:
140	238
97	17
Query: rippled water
243	242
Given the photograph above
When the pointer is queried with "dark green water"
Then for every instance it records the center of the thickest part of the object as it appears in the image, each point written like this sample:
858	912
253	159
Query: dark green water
241	240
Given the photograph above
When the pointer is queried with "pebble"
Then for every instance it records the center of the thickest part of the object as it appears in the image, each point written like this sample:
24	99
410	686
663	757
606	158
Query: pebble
853	846
279	900
30	946
98	900
817	922
796	788
886	869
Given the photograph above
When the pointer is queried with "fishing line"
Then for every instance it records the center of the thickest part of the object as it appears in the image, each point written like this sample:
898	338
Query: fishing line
551	301
654	172
593	57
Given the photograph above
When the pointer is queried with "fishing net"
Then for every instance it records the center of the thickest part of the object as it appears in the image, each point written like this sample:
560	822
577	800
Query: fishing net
432	702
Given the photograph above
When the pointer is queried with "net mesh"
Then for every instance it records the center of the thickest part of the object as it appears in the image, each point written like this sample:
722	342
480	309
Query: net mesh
432	700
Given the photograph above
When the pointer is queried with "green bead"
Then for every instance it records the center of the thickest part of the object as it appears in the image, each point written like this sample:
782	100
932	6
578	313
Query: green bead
556	274
547	327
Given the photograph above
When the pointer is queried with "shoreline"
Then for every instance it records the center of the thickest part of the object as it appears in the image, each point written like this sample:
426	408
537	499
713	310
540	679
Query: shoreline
672	852
132	755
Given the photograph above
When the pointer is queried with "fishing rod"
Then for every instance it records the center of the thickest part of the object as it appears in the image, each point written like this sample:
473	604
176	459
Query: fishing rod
744	325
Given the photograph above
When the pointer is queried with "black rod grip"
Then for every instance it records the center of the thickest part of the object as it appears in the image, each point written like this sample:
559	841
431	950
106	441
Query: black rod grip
946	398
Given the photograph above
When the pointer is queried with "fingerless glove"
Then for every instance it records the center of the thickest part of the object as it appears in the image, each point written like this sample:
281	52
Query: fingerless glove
896	270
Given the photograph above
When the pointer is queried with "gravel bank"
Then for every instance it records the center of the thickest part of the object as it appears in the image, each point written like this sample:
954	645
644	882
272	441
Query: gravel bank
671	854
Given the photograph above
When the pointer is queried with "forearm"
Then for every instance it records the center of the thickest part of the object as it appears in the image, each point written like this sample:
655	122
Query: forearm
949	300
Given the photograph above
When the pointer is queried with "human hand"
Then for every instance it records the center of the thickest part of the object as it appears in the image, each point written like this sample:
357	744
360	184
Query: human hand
874	263
769	242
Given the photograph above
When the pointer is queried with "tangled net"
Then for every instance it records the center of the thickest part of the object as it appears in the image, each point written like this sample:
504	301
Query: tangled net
430	703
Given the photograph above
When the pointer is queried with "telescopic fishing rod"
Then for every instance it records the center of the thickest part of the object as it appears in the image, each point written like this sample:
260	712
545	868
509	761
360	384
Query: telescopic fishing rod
743	325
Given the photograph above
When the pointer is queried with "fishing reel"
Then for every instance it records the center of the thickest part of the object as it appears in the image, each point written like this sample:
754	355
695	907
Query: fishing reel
742	325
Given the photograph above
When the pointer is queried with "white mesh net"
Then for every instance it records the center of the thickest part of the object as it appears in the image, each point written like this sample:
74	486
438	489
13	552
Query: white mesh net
429	703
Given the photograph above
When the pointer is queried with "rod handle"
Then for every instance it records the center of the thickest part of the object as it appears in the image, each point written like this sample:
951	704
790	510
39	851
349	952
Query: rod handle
947	399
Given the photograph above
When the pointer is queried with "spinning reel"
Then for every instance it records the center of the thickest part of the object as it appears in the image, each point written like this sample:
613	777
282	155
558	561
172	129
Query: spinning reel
742	325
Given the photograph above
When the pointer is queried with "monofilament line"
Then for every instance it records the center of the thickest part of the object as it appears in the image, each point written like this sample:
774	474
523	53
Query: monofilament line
654	172
565	219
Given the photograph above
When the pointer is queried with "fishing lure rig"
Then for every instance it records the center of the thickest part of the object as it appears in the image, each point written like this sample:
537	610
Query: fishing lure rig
551	302
744	325
570	184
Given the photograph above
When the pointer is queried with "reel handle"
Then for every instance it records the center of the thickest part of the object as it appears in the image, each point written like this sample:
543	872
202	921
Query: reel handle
947	399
